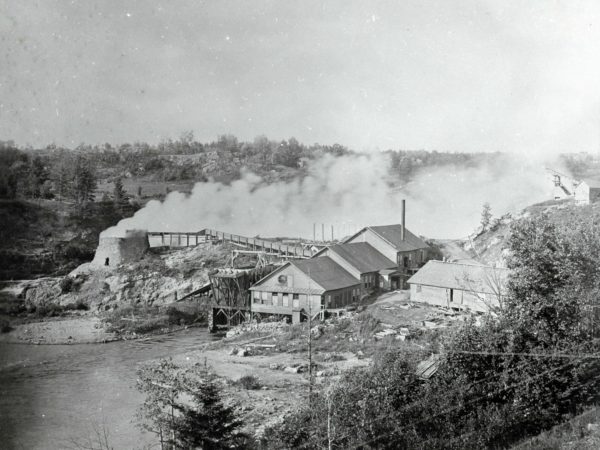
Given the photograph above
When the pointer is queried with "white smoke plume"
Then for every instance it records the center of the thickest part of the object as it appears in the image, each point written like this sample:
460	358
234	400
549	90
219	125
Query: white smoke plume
348	192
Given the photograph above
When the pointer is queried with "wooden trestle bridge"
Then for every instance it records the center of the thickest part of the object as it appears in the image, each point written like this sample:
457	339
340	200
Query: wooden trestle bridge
271	247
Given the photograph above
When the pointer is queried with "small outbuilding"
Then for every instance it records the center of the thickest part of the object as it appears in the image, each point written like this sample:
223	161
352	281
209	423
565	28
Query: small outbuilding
587	191
460	286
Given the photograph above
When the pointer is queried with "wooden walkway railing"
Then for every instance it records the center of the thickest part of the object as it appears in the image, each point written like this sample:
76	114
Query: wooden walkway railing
190	239
270	247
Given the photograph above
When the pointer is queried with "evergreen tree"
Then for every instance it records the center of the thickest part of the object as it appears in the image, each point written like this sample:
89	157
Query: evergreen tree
204	423
84	181
208	424
120	197
486	217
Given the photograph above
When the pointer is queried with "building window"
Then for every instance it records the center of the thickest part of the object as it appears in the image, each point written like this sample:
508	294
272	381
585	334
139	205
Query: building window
274	298
337	301
296	296
263	298
418	288
285	299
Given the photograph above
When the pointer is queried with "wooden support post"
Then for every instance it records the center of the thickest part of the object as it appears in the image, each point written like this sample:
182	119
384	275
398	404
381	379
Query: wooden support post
162	238
170	240
196	239
188	239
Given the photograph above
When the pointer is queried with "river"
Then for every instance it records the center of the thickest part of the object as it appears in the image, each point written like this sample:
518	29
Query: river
52	395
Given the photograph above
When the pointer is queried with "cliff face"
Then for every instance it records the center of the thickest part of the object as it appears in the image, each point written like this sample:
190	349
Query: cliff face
156	279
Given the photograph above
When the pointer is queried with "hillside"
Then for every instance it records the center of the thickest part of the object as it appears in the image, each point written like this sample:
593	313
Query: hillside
50	237
489	247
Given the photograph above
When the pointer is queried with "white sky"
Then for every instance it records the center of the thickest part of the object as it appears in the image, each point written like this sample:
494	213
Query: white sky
463	75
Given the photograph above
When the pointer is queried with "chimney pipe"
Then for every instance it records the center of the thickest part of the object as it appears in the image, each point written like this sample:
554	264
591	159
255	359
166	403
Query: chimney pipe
403	233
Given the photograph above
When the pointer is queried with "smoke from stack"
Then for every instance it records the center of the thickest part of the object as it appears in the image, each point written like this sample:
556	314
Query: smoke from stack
445	202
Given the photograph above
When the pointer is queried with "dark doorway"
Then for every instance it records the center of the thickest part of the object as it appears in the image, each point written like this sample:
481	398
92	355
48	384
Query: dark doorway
106	261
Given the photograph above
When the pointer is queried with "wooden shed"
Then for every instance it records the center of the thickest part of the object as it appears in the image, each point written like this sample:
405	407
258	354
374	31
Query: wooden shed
461	286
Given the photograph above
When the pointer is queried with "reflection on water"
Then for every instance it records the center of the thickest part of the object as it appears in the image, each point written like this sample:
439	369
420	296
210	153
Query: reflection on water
51	395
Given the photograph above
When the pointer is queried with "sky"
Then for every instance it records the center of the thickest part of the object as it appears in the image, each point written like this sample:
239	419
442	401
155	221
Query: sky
459	75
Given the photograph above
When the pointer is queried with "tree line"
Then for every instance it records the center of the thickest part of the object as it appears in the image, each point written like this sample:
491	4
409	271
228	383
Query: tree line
32	176
58	172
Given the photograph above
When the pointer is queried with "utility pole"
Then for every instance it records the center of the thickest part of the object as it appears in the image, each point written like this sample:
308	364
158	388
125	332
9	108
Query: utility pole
323	231
310	380
314	232
331	233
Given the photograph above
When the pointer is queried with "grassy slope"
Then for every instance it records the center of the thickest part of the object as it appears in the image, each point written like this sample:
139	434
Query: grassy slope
488	247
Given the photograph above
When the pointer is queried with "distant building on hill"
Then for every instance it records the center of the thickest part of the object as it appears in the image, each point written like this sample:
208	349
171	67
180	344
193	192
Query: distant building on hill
587	191
459	286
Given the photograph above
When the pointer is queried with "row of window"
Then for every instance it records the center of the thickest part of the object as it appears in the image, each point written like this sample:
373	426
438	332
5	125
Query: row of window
273	298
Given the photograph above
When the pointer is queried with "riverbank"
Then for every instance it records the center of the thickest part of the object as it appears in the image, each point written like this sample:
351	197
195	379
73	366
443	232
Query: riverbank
81	330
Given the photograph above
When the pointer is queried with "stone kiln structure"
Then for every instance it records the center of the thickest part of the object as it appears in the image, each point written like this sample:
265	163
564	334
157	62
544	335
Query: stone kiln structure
113	250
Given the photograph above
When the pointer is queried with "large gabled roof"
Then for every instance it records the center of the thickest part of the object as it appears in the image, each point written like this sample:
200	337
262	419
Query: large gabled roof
468	277
326	273
393	235
363	257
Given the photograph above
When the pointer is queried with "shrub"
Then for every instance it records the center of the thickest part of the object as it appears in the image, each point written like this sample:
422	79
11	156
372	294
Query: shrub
4	326
79	305
48	310
66	285
368	324
249	382
179	317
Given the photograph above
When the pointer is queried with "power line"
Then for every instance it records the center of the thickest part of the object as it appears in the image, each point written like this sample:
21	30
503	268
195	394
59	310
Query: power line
522	365
531	354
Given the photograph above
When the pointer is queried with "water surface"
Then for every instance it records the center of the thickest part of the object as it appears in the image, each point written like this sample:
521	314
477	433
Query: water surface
51	395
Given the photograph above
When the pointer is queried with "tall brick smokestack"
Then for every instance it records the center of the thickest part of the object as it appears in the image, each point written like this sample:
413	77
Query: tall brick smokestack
403	235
